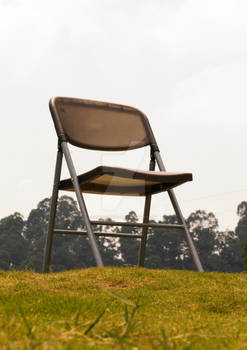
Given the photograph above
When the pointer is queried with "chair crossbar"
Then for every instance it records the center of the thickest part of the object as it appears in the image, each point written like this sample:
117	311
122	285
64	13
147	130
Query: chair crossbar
104	234
137	224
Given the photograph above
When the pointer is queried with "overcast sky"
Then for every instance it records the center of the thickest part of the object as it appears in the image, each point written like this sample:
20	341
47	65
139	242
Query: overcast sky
183	63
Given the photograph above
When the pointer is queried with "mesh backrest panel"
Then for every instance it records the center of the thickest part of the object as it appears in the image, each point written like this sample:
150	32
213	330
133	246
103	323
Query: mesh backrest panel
100	125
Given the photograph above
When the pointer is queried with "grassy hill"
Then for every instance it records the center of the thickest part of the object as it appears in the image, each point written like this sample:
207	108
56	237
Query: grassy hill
123	308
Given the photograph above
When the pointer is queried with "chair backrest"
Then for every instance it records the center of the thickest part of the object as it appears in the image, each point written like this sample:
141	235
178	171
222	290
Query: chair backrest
100	125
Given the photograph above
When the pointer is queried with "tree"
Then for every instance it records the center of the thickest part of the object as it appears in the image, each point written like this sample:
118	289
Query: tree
34	232
129	247
244	256
68	251
68	217
109	246
241	229
241	233
22	242
169	249
204	230
164	247
13	247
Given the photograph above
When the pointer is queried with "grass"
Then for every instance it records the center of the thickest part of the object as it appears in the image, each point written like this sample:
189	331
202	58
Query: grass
123	308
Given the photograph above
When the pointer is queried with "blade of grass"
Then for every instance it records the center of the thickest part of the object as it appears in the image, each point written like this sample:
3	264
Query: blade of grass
126	314
93	324
129	320
26	323
119	297
129	324
121	340
166	346
77	318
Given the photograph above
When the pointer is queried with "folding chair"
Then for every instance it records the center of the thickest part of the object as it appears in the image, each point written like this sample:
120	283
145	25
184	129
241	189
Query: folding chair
110	127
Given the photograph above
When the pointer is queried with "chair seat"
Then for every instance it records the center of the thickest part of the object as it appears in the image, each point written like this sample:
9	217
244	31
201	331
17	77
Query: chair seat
121	181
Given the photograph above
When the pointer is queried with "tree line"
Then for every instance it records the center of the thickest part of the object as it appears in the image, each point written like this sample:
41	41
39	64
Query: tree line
22	241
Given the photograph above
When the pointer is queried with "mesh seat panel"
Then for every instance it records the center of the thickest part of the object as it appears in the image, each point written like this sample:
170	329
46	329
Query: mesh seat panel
128	182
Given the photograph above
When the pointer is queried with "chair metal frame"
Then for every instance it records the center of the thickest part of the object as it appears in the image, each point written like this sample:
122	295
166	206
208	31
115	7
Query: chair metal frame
155	157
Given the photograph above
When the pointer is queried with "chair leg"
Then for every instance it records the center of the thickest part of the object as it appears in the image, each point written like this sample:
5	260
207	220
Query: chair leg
187	234
180	217
82	205
49	238
144	231
146	217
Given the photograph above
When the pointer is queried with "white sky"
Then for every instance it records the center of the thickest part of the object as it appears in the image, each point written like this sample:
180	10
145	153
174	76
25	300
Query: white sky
184	63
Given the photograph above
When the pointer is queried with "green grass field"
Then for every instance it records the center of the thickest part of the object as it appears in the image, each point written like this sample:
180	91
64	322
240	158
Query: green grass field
123	308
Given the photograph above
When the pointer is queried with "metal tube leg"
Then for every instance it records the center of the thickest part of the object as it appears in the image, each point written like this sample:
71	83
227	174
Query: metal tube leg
181	218
82	205
146	217
144	231
49	238
187	234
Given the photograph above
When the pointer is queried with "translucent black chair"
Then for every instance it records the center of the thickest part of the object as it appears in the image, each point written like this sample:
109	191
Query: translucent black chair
110	127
